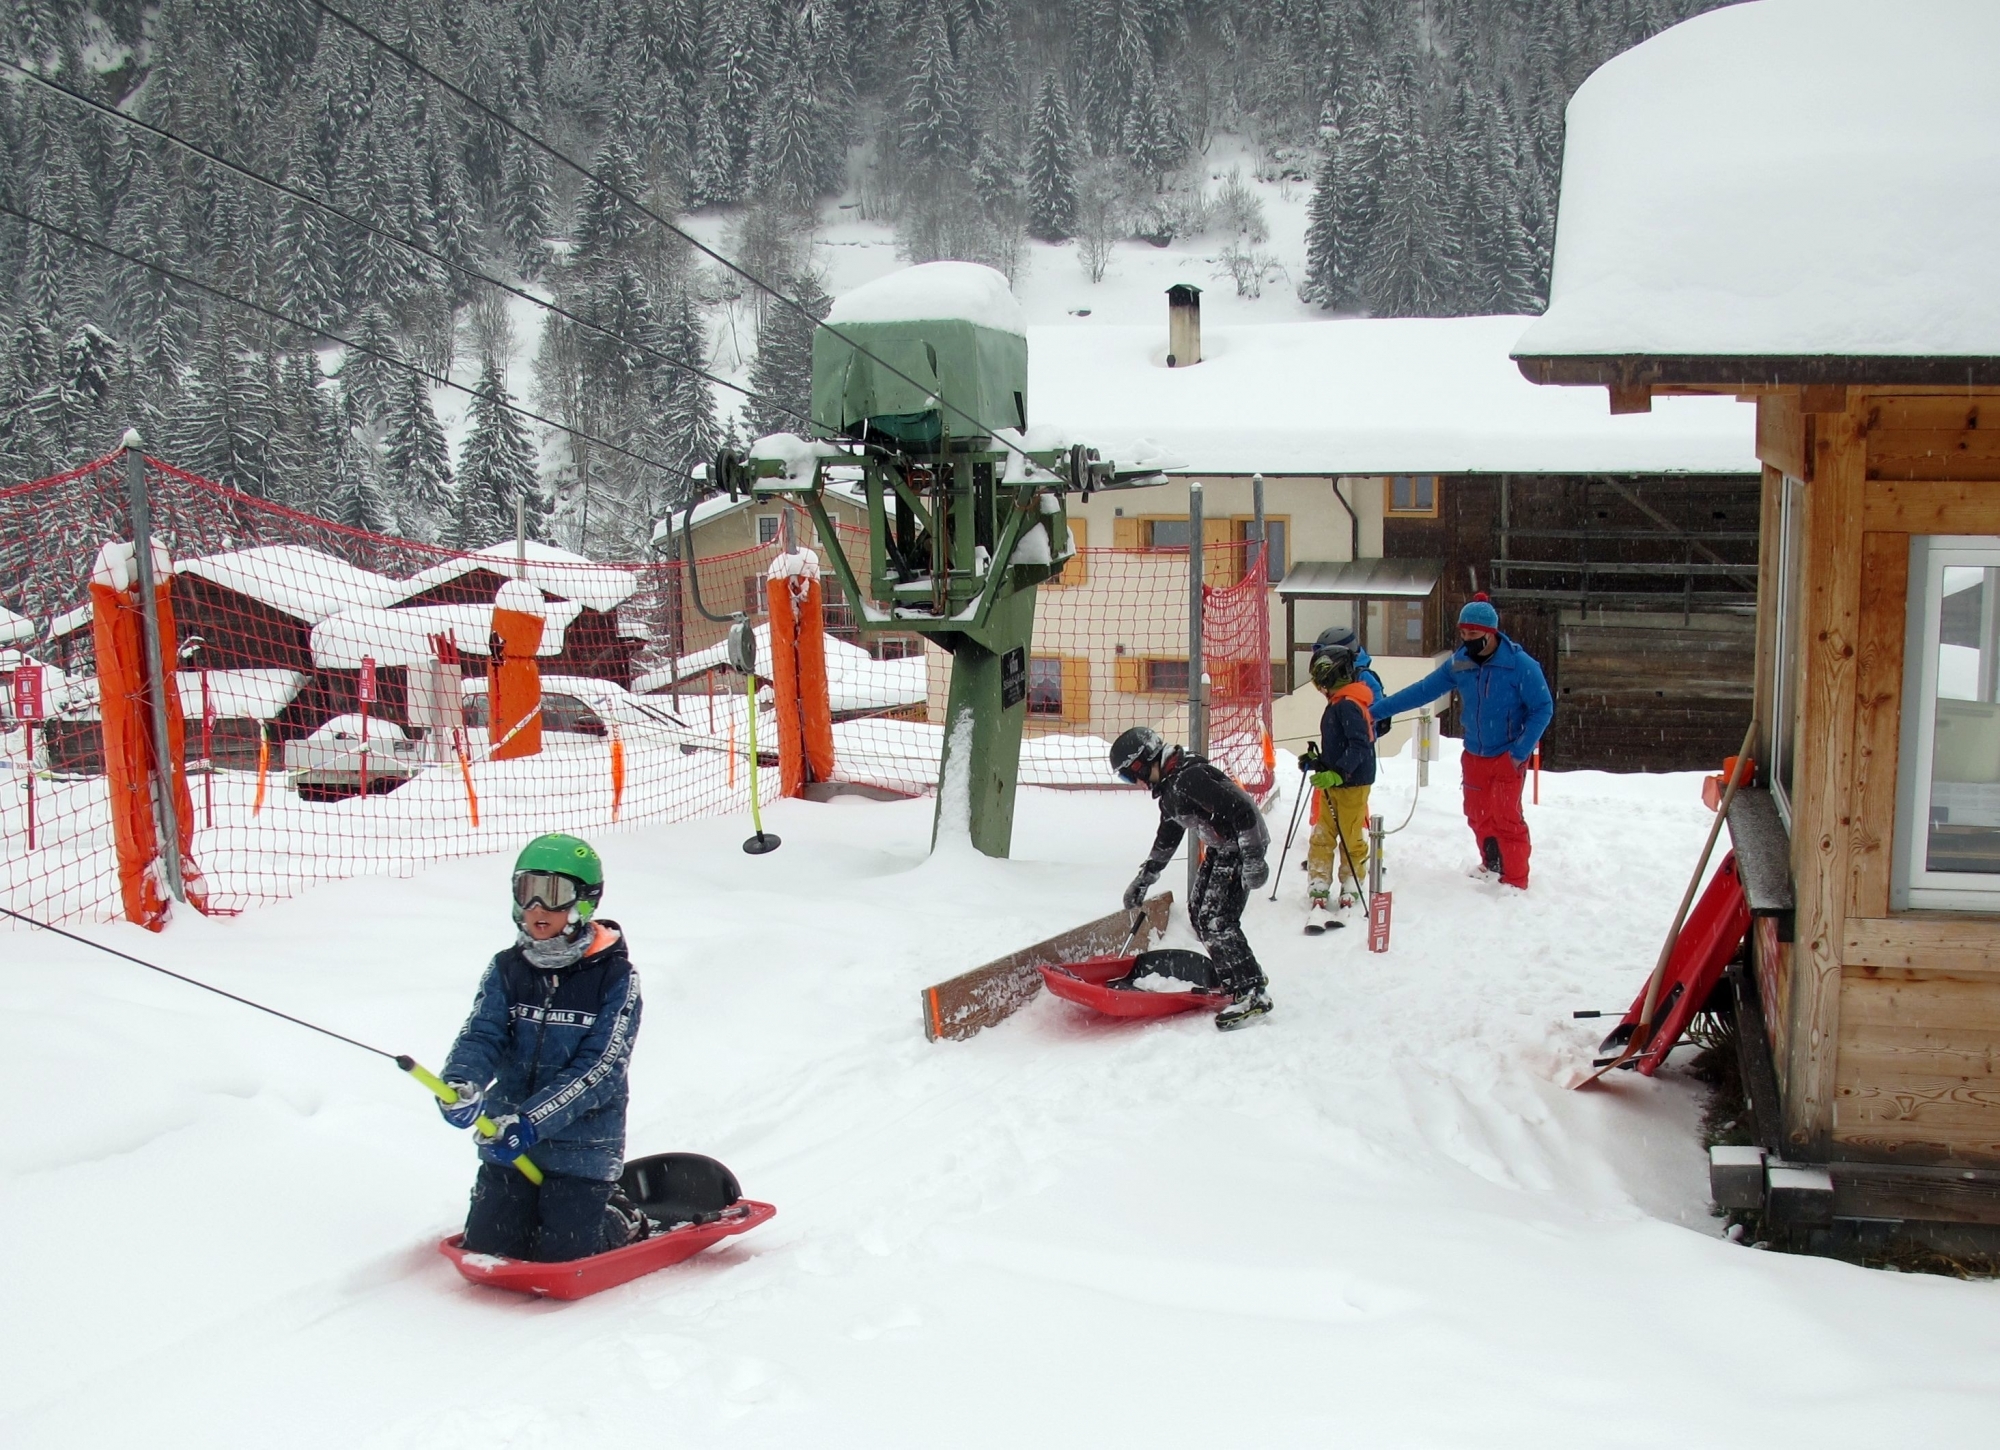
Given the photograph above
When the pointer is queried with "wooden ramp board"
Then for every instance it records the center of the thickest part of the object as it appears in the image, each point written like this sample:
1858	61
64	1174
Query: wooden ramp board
974	1000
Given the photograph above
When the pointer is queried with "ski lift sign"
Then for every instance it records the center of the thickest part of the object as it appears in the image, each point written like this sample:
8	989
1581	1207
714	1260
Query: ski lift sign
364	691
1378	921
28	692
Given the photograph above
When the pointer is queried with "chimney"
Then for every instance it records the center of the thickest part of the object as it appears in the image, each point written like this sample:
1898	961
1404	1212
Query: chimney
1183	325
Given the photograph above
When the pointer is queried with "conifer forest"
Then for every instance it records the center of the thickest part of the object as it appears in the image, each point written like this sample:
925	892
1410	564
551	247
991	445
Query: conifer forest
275	314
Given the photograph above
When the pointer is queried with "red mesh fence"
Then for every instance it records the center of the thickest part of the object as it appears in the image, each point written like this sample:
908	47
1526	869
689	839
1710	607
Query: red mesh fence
335	687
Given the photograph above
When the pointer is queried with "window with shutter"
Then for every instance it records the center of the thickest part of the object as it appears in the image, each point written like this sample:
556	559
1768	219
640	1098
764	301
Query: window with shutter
1076	570
1127	676
1125	534
1076	688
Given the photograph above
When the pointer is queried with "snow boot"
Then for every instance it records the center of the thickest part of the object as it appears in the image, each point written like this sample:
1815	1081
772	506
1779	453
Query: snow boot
1319	916
1250	1004
1348	904
625	1222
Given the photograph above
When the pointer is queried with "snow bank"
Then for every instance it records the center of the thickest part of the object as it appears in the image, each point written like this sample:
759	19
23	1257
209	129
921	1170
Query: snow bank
402	636
554	571
1786	177
293	579
1361	396
935	292
855	679
1374	1219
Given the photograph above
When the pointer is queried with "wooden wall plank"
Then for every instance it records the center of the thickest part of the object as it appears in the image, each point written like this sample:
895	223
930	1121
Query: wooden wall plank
1823	776
1878	717
1781	433
1920	1063
1957	507
1949	413
1928	941
1767	595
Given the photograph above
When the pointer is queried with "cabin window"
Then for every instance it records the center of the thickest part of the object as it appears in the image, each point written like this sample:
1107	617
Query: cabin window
1277	528
1948	775
767	528
1045	685
1165	533
1785	663
1411	495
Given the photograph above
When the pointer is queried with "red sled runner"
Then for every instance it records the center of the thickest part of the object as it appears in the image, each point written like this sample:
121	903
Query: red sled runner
1708	941
695	1199
1104	984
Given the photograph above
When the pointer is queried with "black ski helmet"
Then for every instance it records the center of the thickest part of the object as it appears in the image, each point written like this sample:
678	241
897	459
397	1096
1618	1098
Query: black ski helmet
1333	667
1136	749
1338	636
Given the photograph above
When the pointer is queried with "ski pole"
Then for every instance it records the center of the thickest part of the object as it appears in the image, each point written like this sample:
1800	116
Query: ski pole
443	1090
1298	808
445	1093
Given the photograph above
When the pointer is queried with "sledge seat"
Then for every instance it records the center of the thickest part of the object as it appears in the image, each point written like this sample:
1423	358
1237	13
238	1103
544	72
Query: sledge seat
675	1188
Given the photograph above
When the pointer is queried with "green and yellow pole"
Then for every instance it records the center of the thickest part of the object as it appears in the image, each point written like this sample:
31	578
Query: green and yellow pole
445	1093
760	843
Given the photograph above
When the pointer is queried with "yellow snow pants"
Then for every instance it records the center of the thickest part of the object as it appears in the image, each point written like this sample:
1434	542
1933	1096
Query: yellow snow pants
1340	815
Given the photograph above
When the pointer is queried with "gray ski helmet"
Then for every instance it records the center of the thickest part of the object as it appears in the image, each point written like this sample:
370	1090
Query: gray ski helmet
1137	748
1338	636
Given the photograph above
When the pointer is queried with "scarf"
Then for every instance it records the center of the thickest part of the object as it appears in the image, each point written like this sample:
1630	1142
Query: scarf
558	953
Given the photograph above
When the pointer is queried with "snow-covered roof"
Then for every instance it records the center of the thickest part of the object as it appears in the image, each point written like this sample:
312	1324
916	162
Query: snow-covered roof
70	621
934	292
15	628
855	680
255	694
293	579
403	636
1361	396
1786	177
554	571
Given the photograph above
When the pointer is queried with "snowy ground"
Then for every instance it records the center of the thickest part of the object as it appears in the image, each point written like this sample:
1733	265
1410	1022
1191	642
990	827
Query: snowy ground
1376	1218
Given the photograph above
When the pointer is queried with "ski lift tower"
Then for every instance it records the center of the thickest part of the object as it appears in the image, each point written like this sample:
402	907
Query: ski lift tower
920	395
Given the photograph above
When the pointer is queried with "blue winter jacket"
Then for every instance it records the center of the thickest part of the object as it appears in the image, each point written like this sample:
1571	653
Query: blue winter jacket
554	1047
1505	702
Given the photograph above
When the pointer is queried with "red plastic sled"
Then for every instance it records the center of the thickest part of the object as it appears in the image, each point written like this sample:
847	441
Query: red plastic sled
1709	939
1088	984
577	1278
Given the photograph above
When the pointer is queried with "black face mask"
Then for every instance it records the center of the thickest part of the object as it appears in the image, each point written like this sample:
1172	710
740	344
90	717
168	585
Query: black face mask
1480	648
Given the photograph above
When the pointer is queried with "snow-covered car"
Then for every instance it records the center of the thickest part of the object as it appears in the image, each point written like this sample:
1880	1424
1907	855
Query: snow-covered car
335	762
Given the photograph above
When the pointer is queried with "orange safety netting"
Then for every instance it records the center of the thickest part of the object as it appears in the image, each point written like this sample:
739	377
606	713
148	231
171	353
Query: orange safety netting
337	687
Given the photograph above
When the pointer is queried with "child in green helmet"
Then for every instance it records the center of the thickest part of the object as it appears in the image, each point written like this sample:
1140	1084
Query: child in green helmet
544	1055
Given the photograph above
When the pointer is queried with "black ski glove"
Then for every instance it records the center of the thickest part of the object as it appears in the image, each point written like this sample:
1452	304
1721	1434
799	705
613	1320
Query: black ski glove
1256	871
1135	894
1309	759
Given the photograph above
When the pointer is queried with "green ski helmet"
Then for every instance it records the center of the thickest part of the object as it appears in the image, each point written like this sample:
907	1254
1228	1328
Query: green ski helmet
558	871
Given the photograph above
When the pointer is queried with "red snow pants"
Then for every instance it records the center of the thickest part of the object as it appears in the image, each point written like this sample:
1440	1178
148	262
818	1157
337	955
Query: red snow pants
1493	810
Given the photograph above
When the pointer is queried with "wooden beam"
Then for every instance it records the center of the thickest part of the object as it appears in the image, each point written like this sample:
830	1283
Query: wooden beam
1634	398
1959	507
1878	719
1823	398
1767	598
1927	941
1822	778
1781	434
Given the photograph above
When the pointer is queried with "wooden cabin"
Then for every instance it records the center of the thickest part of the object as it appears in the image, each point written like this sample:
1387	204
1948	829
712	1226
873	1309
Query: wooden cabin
1849	291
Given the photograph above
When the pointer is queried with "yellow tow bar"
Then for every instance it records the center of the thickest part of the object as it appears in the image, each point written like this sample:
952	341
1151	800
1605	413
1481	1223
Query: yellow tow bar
446	1094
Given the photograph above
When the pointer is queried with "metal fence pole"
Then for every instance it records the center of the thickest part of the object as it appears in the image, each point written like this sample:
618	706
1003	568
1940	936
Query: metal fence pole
1197	706
158	682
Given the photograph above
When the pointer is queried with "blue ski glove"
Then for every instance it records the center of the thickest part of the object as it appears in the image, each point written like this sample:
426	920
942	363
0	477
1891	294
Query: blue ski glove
467	1109
515	1135
1326	779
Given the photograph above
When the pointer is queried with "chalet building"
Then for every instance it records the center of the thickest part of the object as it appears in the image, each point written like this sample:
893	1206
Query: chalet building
599	642
1407	465
1706	246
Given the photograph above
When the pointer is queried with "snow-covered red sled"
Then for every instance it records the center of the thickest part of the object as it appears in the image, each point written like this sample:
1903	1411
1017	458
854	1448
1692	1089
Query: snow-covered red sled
1103	985
695	1197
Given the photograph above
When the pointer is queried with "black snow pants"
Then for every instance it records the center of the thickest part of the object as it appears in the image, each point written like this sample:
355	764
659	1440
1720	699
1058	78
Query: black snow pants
565	1218
1217	914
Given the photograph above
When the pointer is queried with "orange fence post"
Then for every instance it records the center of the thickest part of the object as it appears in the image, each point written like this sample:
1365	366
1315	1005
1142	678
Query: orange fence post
514	696
800	694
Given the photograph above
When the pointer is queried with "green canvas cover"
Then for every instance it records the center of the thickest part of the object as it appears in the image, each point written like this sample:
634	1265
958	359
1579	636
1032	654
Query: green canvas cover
977	370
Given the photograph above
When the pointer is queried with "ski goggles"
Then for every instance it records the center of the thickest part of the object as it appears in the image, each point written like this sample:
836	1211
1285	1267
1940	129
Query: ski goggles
549	890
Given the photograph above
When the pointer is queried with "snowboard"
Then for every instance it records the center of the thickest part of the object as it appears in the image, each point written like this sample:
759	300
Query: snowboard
695	1200
1103	984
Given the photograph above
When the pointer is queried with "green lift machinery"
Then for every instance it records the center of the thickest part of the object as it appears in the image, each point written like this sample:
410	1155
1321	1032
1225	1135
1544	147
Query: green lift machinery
919	396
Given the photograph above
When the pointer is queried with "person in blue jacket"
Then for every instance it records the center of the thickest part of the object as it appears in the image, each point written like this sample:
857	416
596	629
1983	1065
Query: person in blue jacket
544	1056
1504	706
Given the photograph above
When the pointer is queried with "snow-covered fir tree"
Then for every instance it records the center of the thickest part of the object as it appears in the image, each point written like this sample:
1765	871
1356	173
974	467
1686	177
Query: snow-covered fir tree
496	469
1052	165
